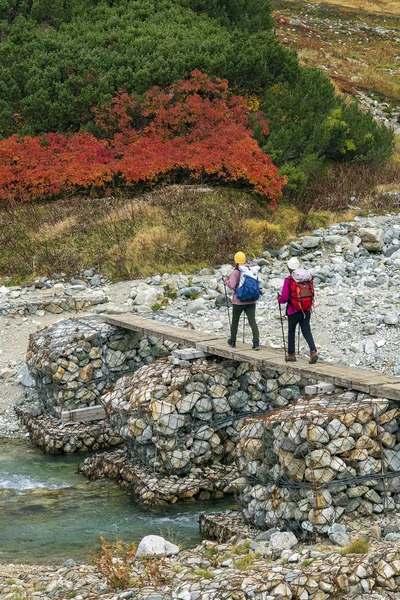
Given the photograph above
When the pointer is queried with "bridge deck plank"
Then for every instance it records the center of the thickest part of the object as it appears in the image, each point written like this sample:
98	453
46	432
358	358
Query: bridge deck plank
370	382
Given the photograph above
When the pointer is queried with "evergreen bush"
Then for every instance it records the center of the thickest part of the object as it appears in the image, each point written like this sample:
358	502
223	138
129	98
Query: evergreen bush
61	58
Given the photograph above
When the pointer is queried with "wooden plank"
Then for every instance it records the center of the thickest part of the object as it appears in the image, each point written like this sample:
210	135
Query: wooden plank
91	413
390	391
244	353
163	331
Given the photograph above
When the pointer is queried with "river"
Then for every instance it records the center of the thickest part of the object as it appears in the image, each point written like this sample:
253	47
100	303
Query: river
49	513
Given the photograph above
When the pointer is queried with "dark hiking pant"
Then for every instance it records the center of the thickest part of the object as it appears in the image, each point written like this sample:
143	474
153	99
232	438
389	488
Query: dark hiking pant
298	318
250	310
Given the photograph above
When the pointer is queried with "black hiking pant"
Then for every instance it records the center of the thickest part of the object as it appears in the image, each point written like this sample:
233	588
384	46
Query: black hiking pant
303	320
250	310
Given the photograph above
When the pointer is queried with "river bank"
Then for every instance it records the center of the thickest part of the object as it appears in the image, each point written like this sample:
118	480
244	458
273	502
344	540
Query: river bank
264	567
356	322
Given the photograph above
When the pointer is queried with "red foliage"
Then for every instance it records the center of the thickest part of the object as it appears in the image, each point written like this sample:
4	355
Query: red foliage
195	126
39	167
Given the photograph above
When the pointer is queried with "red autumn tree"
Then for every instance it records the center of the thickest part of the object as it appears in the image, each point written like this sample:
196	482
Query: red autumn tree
195	127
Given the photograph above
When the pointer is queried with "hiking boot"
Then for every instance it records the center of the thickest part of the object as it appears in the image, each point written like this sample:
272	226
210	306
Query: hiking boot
290	358
256	345
231	343
313	357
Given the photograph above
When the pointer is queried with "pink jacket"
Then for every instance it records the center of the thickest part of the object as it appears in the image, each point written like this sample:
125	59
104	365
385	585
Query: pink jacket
285	297
233	283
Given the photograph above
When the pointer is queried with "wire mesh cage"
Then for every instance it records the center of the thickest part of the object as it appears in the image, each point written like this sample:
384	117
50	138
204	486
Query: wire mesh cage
309	463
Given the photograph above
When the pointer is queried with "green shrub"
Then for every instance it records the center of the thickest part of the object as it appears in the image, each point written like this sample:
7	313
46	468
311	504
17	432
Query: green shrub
52	76
310	124
356	137
357	546
252	15
60	58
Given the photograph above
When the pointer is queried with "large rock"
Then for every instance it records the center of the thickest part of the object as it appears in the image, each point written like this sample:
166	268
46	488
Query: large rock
190	292
338	535
196	306
147	295
155	544
311	241
283	540
371	238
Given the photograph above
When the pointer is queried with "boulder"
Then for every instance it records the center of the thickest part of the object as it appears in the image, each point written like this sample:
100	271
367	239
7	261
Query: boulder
155	544
283	540
371	238
311	241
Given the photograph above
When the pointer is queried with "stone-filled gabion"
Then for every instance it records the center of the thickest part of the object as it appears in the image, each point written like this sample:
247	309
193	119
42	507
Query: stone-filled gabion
309	463
177	416
46	433
75	360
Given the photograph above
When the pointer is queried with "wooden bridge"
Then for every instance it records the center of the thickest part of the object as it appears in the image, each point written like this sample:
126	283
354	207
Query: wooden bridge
373	383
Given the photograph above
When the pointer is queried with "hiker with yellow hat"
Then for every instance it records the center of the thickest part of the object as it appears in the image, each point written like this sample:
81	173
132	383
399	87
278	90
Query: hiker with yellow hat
246	290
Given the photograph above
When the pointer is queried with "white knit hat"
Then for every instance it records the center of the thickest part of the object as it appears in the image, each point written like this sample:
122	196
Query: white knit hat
293	263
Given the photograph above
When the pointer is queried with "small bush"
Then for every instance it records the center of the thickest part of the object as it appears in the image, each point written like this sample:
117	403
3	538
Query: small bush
262	234
318	220
245	563
357	546
241	548
114	562
289	219
156	307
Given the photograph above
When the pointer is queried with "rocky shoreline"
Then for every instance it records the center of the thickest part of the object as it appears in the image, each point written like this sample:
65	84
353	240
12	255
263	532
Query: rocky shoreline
356	270
264	566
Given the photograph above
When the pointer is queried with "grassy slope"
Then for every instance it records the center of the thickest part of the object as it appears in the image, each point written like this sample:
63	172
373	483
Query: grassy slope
178	229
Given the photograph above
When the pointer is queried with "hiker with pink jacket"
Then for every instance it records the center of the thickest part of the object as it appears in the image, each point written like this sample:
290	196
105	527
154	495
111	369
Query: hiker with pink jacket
298	295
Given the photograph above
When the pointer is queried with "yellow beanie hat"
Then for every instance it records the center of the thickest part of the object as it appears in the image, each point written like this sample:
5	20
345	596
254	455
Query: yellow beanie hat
240	258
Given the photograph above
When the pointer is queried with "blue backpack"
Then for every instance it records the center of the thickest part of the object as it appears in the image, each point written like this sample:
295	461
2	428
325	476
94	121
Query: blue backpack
249	289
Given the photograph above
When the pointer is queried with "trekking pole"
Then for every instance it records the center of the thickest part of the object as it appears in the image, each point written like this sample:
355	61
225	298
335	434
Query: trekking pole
283	333
227	306
298	340
244	322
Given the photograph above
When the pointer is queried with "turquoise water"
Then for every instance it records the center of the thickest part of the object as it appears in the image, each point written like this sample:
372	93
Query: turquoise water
49	513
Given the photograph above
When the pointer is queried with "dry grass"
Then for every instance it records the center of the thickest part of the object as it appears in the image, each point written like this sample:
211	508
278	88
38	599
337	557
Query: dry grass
170	230
389	7
52	231
178	229
349	186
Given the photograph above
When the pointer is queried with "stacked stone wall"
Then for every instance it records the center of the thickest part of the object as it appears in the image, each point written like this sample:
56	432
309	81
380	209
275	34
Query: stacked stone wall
308	464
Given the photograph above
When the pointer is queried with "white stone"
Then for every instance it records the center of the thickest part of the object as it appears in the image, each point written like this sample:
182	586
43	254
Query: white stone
159	408
335	428
325	388
195	306
155	544
188	403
